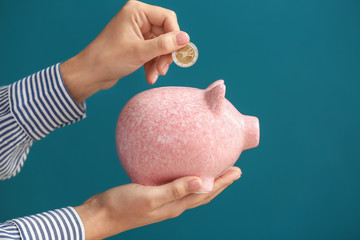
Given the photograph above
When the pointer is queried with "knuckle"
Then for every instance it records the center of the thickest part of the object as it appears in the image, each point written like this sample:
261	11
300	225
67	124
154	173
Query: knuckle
131	6
130	3
164	44
148	201
176	193
172	13
151	203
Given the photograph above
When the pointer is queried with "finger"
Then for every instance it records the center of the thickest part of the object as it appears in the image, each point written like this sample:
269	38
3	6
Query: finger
176	190
221	183
148	64
161	17
148	35
151	74
163	44
163	63
157	31
207	199
210	197
194	200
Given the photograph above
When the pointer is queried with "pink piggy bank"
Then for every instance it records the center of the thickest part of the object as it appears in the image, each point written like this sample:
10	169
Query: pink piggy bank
170	132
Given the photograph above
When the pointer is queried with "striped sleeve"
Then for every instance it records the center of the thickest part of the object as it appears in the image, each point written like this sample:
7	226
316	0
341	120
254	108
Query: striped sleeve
9	231
30	109
62	223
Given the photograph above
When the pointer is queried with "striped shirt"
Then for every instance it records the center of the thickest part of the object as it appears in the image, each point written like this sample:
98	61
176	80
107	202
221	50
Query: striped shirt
29	110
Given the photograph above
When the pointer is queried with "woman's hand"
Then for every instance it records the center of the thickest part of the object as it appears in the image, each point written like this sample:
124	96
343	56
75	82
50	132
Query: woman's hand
139	34
133	205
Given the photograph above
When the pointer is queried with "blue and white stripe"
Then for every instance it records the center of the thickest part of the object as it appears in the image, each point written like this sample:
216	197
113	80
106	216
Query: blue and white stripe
61	224
14	142
9	231
29	110
41	103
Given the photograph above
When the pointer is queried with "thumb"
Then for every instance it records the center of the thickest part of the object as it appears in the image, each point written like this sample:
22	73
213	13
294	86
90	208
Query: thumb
177	189
165	44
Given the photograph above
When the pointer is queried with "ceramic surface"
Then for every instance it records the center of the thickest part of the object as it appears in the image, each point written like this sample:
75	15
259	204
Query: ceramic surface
170	132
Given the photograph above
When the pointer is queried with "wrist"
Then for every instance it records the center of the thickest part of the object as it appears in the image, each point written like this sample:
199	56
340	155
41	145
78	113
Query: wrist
79	78
97	220
92	217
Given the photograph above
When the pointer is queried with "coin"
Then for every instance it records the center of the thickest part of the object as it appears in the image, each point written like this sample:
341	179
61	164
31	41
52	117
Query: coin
187	56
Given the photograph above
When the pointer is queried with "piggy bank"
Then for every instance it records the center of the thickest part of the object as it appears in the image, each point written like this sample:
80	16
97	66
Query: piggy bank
170	132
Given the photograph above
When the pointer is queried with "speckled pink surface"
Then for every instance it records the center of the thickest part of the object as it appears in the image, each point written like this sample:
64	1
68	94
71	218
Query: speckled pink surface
170	132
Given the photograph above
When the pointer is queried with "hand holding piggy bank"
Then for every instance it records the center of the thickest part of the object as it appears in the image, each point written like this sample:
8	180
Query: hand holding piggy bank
170	132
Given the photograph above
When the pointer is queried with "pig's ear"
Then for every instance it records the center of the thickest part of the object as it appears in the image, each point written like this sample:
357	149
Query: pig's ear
214	96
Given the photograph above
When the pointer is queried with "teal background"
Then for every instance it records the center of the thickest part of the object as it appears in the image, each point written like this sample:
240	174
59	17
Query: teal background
293	64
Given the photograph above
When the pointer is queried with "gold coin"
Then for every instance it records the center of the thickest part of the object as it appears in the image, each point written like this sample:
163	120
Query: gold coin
187	56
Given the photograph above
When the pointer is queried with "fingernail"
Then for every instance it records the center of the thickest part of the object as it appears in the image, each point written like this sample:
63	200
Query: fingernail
182	38
155	77
194	185
165	69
